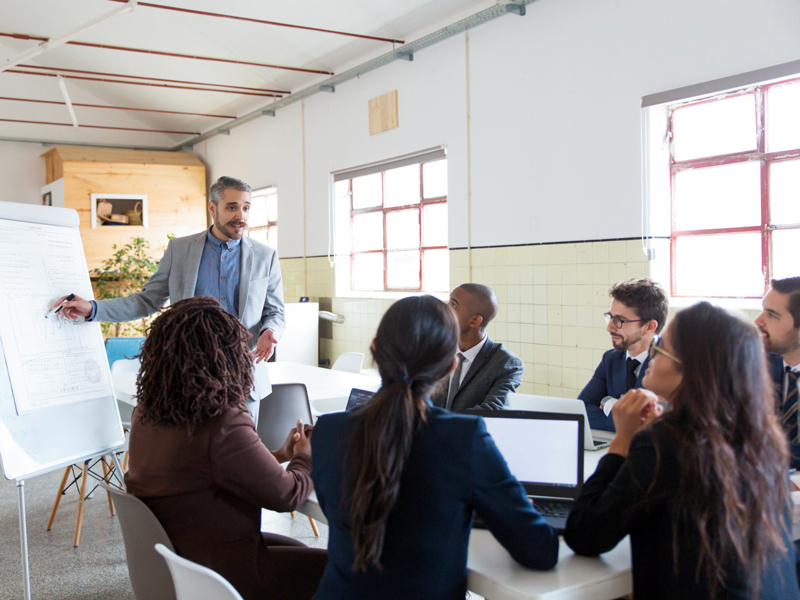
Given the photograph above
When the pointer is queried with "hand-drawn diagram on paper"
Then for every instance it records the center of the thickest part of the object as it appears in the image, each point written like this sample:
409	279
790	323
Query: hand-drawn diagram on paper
50	361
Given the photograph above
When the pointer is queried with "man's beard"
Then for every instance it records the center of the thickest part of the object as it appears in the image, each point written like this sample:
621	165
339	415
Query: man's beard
624	343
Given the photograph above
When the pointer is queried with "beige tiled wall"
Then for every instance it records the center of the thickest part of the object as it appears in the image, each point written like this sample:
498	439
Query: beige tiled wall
552	299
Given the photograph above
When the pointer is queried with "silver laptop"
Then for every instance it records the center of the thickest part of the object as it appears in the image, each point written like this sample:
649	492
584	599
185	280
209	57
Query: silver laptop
358	398
592	438
544	451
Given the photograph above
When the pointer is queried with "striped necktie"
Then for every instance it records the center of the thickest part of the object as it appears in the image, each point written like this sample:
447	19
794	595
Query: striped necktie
789	409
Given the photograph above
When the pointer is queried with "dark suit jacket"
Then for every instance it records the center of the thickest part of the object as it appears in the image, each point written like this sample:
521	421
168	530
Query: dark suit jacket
778	374
609	379
492	376
208	492
454	467
636	497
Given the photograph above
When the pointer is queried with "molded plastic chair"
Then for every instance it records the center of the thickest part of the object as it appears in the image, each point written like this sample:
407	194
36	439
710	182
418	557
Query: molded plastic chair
141	531
195	582
126	365
122	347
350	362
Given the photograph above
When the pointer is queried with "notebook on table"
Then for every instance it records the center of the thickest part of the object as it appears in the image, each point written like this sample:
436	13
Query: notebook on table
544	451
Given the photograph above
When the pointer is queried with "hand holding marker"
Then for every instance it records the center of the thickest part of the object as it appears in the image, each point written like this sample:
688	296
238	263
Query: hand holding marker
55	309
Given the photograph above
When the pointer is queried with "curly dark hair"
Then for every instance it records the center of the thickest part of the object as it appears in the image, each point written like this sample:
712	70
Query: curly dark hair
195	362
644	296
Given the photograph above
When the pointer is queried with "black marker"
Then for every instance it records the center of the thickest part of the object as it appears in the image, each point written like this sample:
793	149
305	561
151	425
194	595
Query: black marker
55	310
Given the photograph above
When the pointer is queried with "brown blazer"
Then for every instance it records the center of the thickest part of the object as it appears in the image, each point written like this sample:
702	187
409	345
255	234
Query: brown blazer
208	493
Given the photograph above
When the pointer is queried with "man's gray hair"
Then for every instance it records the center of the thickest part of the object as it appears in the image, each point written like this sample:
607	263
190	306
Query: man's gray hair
226	183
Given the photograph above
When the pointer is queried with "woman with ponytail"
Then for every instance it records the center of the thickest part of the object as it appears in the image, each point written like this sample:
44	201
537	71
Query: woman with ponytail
398	479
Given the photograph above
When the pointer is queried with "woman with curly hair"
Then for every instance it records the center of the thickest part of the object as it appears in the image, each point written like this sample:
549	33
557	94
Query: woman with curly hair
198	463
702	490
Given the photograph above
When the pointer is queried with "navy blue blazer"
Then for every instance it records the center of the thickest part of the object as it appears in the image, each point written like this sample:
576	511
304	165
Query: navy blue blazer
778	374
609	379
454	467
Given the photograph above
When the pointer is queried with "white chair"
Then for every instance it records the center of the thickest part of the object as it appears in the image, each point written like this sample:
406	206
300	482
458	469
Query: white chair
193	582
125	365
350	362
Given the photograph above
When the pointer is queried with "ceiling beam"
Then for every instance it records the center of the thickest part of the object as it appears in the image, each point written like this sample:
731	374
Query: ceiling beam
97	126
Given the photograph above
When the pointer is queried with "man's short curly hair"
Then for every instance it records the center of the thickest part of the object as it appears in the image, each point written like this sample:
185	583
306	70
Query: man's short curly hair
647	298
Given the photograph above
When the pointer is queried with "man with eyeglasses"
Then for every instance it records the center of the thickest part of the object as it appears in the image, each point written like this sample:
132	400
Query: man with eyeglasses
779	324
638	313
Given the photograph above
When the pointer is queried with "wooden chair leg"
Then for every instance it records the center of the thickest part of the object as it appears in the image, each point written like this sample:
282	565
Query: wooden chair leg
314	526
81	498
292	514
124	465
107	479
58	498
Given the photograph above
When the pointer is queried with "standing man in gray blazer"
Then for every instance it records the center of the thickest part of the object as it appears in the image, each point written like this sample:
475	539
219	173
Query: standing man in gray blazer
486	372
242	274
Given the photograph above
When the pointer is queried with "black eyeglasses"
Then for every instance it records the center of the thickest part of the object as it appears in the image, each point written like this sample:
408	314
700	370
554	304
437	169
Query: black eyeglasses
618	321
655	348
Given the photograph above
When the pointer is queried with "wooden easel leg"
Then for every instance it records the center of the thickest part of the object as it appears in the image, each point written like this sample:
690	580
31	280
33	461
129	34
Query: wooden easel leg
314	526
107	479
81	497
58	498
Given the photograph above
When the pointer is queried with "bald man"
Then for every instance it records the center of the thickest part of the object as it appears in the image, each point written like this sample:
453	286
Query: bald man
487	372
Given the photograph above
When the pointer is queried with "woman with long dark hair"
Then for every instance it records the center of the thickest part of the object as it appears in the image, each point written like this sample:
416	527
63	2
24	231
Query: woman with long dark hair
198	463
398	479
701	489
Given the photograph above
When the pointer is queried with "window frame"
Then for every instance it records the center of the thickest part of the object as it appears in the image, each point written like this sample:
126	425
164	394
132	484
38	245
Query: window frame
385	211
766	160
265	192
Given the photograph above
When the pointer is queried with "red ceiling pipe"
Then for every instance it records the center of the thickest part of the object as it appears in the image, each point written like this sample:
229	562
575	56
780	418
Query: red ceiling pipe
251	20
219	85
99	127
25	36
156	85
151	110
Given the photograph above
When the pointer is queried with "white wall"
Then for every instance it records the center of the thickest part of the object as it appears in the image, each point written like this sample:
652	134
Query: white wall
555	118
22	172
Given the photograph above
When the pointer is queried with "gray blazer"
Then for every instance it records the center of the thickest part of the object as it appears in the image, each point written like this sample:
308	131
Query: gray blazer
260	287
495	373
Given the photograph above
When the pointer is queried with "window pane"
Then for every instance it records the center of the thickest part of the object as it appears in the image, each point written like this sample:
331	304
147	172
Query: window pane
368	271
711	128
402	229
434	225
341	189
259	235
783	117
436	270
785	250
402	186
719	265
258	212
718	197
272	207
784	192
434	179
367	191
368	231
402	270
272	237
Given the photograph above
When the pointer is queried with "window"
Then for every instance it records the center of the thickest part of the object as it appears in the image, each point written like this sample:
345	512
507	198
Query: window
735	189
398	228
263	224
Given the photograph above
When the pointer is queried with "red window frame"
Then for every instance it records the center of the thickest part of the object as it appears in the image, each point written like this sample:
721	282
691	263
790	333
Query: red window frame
766	159
386	210
268	223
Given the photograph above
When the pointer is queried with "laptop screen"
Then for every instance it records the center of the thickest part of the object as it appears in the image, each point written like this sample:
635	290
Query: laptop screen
544	451
358	398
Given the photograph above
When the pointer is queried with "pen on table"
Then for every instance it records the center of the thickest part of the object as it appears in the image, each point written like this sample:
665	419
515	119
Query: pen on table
55	309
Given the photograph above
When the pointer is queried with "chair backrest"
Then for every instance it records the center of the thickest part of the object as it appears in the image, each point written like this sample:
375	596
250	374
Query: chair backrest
122	347
278	413
141	531
350	362
125	413
195	582
126	365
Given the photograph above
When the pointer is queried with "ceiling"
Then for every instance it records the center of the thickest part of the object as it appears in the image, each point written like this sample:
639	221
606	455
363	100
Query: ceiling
139	80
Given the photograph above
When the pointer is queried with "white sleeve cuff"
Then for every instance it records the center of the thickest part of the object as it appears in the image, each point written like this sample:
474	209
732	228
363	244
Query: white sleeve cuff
608	405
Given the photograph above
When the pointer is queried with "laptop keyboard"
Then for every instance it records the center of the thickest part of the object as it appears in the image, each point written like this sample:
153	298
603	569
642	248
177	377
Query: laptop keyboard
552	508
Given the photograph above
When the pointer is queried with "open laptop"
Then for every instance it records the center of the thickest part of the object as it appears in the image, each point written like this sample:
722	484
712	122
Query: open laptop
544	451
592	438
358	398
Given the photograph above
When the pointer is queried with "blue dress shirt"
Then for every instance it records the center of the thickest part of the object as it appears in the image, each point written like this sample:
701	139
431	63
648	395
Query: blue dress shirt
218	275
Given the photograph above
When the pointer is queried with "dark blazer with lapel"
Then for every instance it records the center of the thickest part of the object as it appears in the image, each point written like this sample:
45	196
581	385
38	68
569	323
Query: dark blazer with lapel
492	376
454	468
778	374
609	379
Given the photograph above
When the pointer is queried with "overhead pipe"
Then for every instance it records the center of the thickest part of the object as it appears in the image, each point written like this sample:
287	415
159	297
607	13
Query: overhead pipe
50	43
409	49
262	22
128	108
97	126
26	36
92	144
181	81
67	101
